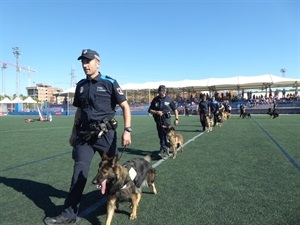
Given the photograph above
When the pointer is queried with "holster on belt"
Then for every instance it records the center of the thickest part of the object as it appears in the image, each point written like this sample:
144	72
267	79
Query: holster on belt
97	129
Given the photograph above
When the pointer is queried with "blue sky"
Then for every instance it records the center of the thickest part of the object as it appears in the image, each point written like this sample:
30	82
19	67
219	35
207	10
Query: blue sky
140	41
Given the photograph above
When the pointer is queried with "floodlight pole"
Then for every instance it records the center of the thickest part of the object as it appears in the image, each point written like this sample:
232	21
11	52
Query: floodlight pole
17	54
73	83
283	70
3	67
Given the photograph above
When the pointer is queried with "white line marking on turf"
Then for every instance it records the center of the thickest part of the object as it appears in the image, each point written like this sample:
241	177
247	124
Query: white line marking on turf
103	200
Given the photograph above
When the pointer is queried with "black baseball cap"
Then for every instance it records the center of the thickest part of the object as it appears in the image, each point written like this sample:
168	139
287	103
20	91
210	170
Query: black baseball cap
89	54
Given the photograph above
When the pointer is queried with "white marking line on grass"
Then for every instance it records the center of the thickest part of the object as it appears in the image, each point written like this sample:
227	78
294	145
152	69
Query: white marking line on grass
103	200
283	151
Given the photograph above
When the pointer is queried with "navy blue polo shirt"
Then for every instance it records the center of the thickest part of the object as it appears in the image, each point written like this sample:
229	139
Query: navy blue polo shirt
203	107
97	98
165	104
214	106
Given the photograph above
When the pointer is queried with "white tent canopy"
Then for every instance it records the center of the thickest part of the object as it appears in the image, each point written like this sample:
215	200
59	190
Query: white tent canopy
6	100
29	100
17	100
68	92
260	82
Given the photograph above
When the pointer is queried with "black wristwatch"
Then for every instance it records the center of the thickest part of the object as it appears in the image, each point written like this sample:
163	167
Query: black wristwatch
128	129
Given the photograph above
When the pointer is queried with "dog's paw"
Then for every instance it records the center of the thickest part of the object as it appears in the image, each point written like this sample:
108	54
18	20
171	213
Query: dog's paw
132	216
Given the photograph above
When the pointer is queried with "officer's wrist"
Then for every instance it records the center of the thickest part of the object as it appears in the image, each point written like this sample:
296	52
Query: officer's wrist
128	129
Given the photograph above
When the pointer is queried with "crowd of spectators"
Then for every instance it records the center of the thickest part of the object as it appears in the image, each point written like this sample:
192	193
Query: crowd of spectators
188	105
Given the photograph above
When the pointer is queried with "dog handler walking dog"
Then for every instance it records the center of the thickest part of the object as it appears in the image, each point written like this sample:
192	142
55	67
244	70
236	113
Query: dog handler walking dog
203	109
160	108
94	129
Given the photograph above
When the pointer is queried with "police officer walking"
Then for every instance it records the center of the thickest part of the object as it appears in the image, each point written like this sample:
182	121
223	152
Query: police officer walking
214	109
203	109
242	110
160	108
94	129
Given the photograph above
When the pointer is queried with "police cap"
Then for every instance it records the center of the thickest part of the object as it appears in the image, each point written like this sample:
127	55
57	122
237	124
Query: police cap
89	54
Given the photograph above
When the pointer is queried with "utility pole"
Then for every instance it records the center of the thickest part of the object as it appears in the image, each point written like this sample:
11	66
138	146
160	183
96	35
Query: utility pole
17	54
3	67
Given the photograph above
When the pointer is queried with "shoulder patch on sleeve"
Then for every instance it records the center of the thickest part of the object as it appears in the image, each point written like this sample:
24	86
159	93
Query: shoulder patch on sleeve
119	90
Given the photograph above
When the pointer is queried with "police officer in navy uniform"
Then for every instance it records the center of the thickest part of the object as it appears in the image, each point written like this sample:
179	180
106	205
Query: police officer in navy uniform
214	109
242	110
203	109
94	129
161	107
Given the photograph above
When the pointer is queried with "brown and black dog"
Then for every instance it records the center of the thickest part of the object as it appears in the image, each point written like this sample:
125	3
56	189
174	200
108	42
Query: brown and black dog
176	141
209	123
124	182
272	114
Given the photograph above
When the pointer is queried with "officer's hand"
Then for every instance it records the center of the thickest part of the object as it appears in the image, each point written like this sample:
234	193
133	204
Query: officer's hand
72	139
126	138
175	122
160	113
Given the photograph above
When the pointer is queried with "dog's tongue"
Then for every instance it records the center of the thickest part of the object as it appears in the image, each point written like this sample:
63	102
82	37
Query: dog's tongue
103	186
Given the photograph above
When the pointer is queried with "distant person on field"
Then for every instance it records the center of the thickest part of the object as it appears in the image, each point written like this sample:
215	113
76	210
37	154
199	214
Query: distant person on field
186	109
242	110
274	106
161	107
214	109
203	109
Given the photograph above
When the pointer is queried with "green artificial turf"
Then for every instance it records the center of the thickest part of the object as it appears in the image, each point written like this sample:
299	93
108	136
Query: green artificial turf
245	173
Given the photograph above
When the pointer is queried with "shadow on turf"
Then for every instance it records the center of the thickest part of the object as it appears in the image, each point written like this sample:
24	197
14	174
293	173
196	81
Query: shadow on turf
40	194
37	192
139	153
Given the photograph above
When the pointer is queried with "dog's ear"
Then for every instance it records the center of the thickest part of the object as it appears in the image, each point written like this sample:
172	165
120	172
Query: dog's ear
105	157
114	160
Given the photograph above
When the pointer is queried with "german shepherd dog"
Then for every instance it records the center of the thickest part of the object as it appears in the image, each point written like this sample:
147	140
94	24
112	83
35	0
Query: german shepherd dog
209	123
226	115
124	182
272	113
219	119
175	139
246	115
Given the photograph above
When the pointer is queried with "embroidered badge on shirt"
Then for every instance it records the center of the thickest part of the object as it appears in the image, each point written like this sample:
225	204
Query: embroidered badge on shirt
100	88
119	90
81	89
167	103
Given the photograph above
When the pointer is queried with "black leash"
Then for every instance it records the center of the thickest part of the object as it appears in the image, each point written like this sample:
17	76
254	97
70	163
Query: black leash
122	152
